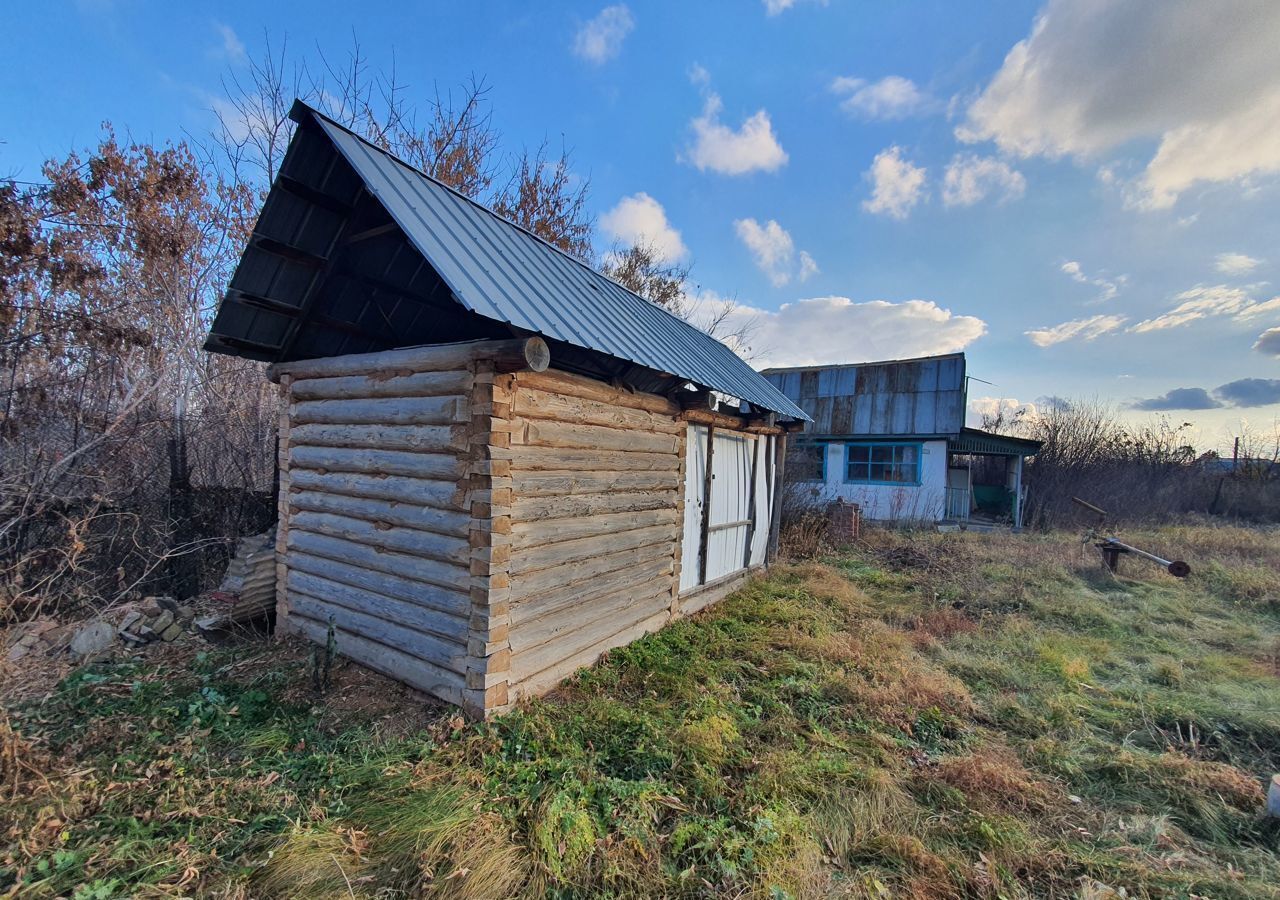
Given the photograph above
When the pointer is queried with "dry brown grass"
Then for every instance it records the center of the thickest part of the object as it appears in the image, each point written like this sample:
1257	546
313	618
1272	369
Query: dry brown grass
996	780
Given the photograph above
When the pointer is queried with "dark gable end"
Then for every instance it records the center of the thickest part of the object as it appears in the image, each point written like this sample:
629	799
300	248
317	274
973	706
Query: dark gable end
356	251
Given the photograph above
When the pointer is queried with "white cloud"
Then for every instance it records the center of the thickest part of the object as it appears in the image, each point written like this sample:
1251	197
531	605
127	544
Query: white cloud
825	330
1268	342
639	219
600	39
1077	329
970	178
716	146
896	184
1093	77
1107	288
892	97
1203	302
774	251
774	7
231	47
1235	263
808	266
984	409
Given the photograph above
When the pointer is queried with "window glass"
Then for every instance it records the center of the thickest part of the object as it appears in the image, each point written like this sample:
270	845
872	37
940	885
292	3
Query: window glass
883	463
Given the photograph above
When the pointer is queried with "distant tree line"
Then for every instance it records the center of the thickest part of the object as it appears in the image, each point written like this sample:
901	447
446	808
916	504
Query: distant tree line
1138	473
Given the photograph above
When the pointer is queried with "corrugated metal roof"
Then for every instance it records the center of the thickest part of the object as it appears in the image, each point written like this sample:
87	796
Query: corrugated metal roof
500	271
923	397
979	442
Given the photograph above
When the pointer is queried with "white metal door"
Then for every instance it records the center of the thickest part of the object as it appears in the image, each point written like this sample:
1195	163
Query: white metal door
695	479
739	509
765	486
730	519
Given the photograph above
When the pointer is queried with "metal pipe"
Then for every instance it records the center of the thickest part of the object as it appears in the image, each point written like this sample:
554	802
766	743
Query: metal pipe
1089	506
1176	567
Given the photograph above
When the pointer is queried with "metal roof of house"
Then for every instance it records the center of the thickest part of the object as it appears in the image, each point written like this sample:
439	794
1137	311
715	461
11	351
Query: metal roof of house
923	397
487	265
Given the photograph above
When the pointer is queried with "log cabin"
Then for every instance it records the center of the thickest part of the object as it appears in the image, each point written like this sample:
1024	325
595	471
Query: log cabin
495	463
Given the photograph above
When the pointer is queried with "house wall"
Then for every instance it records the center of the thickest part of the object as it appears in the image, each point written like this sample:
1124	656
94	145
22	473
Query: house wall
890	502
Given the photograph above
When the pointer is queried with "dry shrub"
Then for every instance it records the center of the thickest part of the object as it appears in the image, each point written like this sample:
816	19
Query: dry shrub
802	530
996	780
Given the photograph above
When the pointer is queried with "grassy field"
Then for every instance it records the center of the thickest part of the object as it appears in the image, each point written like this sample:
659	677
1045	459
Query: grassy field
925	716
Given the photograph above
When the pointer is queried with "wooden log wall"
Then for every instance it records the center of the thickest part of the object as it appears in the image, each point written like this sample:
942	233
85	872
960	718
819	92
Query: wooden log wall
475	525
375	509
595	525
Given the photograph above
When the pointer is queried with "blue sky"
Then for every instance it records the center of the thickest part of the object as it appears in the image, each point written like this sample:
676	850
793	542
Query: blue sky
1064	190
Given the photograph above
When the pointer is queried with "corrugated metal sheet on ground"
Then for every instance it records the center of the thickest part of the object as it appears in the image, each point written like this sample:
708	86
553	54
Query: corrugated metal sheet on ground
500	271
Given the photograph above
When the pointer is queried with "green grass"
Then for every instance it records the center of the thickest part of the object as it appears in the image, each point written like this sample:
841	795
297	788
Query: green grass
929	715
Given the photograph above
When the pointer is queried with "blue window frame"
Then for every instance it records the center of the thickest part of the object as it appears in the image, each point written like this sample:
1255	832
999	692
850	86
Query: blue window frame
807	462
883	463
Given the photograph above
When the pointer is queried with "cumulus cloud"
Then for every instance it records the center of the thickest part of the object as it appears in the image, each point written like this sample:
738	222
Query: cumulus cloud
230	46
600	39
639	219
892	97
897	185
970	178
1077	329
774	251
1107	288
826	330
1178	398
751	147
1203	301
1205	87
1235	263
1250	392
983	410
1269	342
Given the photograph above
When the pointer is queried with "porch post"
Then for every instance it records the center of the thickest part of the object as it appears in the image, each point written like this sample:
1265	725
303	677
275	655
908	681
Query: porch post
1017	492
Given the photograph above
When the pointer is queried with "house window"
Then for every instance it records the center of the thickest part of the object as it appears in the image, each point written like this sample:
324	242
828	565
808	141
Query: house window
882	463
807	462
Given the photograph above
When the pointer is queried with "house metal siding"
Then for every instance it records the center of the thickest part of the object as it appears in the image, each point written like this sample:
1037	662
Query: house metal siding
503	272
924	397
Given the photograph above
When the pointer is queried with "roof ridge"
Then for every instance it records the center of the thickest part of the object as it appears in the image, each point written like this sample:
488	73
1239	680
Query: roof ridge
501	218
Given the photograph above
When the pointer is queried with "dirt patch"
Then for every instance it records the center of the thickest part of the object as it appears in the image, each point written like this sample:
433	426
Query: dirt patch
357	694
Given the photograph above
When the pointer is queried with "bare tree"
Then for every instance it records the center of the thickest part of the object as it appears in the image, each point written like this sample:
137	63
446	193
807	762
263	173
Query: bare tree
450	137
642	270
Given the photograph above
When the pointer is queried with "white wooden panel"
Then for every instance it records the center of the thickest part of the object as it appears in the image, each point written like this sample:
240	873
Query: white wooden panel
695	475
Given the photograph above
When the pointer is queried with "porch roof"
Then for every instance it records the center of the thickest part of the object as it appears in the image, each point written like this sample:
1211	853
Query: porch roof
984	443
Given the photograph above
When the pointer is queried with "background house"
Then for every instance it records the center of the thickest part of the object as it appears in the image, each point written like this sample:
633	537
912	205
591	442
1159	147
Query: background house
542	478
890	436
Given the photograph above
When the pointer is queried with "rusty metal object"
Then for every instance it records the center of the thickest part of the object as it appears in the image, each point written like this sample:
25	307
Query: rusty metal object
1112	548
